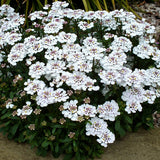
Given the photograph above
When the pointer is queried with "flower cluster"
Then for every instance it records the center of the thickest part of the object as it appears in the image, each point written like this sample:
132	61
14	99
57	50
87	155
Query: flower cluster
71	55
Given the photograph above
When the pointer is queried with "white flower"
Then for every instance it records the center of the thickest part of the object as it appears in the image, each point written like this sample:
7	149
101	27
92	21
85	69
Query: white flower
37	15
9	105
79	81
37	70
15	57
60	95
33	86
109	77
70	110
114	60
109	110
134	93
150	96
75	56
101	14
133	79
105	138
30	59
59	4
124	72
89	15
121	43
108	36
87	110
59	79
143	50
77	14
84	25
133	28
132	106
153	77
54	53
96	126
49	41
90	85
81	65
13	37
93	52
26	110
55	66
66	37
45	97
53	27
89	41
109	22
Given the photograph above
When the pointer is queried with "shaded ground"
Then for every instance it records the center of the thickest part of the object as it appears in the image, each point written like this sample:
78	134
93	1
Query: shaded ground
142	145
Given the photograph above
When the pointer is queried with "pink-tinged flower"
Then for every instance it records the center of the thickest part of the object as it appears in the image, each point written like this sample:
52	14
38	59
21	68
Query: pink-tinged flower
109	110
133	106
45	97
87	110
70	110
105	138
96	126
37	70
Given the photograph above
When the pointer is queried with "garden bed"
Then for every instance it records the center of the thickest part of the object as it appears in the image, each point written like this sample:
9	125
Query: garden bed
142	145
56	68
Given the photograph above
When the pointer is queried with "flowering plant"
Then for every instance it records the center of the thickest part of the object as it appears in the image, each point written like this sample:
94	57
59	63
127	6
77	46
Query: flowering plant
75	79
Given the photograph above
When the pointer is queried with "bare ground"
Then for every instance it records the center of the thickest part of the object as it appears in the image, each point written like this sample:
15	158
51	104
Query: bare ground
142	145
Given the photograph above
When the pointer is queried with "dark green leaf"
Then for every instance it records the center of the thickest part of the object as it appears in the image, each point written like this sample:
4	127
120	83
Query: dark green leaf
14	128
11	95
75	146
6	115
68	157
57	148
117	125
53	130
45	143
128	119
65	140
121	132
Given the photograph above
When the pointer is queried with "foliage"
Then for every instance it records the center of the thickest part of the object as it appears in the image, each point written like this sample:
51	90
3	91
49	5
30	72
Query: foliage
26	6
74	81
104	5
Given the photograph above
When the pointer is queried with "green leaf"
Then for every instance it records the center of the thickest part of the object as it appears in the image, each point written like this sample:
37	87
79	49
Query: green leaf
6	115
53	130
7	123
121	132
68	157
14	129
128	119
128	128
98	5
65	140
137	126
117	125
32	137
57	148
11	95
45	143
78	156
75	146
42	152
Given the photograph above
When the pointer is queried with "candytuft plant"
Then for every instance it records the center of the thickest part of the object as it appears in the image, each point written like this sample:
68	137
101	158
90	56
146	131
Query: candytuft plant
74	81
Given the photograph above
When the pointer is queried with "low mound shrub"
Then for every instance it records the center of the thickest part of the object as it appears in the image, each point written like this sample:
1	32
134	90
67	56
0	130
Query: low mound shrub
74	81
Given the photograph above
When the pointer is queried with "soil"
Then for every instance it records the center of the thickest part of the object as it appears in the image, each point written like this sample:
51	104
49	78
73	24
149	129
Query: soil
151	12
142	145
